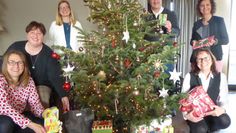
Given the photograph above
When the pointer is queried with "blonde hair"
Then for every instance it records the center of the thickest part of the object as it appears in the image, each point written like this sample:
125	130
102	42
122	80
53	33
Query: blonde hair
24	77
58	16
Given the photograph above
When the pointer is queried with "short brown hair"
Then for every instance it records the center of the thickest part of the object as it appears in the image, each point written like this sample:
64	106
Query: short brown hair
24	77
35	25
195	69
213	7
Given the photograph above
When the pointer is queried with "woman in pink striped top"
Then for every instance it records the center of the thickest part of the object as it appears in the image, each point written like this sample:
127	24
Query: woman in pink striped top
17	90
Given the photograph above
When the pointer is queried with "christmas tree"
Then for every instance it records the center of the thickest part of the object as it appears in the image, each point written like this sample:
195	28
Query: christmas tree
118	74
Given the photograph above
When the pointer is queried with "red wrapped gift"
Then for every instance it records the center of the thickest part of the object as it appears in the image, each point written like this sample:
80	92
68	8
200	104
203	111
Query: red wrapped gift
198	101
206	42
104	126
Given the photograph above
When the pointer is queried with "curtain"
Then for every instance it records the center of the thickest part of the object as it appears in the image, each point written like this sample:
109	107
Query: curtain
143	3
186	14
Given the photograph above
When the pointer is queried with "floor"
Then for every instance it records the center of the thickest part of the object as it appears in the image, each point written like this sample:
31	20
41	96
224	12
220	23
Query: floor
231	110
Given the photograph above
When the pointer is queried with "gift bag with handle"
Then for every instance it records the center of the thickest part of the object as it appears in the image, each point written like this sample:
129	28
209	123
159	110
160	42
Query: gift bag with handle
78	121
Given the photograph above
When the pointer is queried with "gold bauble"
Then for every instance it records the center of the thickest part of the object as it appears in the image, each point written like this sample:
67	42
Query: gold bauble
101	75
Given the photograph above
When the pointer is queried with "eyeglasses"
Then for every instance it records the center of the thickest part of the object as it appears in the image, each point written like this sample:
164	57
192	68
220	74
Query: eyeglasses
13	63
205	59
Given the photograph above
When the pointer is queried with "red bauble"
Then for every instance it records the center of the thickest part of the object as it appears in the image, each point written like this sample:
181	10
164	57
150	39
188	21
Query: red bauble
55	55
67	86
127	63
156	74
113	43
175	44
142	49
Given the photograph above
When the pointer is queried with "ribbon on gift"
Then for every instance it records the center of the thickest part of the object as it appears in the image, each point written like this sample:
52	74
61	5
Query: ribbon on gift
206	42
198	101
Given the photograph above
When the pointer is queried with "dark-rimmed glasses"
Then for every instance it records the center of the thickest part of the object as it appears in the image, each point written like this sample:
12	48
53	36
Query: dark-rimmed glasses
13	63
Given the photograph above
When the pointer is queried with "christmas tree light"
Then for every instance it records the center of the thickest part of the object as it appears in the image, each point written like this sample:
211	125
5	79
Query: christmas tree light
118	74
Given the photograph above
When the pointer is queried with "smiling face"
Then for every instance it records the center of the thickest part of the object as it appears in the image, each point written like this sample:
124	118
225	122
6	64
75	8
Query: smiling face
204	61
64	9
15	66
35	37
155	4
205	7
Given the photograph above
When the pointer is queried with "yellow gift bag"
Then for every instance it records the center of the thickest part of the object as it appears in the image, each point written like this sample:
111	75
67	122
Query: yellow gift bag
52	123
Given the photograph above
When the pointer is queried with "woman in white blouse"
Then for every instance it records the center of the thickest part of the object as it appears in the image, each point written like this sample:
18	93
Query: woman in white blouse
203	72
62	32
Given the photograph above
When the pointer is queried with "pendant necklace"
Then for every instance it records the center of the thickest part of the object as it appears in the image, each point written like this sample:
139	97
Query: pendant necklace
33	60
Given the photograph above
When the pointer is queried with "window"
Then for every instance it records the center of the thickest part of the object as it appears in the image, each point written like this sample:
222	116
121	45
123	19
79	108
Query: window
232	49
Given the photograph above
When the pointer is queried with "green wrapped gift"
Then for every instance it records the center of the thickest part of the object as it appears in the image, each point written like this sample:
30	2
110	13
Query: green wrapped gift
163	19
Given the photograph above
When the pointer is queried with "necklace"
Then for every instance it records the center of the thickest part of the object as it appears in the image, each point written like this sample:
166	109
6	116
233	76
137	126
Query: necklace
33	60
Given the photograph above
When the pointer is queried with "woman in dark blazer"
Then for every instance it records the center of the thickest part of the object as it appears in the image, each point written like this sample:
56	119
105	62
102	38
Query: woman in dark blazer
208	26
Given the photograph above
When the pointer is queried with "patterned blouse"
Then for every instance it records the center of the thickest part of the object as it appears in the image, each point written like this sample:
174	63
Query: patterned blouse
13	101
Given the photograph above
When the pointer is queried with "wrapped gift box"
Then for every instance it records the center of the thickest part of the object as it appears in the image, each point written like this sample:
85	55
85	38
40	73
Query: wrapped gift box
206	42
156	126
198	101
102	126
163	19
146	129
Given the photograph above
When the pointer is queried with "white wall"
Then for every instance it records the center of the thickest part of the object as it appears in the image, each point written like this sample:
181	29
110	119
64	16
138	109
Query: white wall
232	48
223	9
16	14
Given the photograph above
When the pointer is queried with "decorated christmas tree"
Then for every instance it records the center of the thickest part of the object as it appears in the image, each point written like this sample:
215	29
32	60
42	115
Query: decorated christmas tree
117	73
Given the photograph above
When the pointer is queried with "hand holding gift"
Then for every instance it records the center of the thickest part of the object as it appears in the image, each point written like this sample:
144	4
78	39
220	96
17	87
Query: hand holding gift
168	26
216	112
189	116
198	102
206	42
164	22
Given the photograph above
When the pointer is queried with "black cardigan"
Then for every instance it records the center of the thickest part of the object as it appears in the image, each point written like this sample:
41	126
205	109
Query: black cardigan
216	28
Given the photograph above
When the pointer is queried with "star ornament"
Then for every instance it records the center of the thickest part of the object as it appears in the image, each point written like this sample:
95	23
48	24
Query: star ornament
68	69
175	75
126	36
163	92
157	64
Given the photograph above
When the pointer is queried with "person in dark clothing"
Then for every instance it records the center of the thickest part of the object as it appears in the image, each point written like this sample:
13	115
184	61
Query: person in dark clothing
210	25
203	72
44	69
171	25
